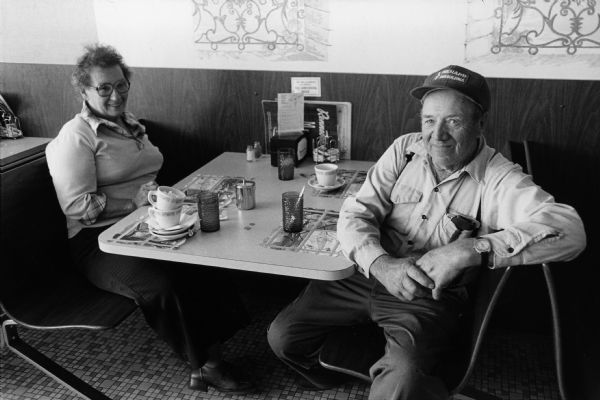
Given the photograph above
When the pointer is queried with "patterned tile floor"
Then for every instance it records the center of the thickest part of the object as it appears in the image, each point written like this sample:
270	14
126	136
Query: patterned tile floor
129	362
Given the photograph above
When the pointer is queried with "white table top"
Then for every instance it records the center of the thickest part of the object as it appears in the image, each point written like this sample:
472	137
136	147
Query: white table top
237	245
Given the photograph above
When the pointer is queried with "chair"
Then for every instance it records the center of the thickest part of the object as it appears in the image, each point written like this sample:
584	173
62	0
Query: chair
38	289
367	341
522	154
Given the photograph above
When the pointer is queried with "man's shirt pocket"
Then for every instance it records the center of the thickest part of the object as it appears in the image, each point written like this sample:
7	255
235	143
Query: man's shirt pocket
404	199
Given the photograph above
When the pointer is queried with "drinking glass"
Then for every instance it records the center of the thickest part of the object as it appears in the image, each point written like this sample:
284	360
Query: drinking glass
208	211
292	206
285	164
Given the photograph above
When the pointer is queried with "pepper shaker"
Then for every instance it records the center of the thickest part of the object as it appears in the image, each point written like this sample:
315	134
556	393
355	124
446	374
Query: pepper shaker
257	149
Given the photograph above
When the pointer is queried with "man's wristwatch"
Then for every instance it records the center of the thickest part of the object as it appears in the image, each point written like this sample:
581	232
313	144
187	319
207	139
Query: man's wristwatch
483	247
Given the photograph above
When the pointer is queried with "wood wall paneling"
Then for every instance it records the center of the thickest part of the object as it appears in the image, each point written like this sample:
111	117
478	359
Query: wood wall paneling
225	106
41	95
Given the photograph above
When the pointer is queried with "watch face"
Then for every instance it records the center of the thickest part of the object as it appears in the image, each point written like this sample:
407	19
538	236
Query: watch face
482	246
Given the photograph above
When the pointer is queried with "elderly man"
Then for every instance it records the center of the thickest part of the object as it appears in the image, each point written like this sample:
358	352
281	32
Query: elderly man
435	208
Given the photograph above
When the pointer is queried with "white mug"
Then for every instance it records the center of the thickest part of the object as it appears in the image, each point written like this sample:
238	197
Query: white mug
165	218
166	198
326	174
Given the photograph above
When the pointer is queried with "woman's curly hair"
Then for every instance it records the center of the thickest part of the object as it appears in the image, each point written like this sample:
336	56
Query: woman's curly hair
96	55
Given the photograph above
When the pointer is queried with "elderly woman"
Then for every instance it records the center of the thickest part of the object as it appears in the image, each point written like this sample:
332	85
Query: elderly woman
103	165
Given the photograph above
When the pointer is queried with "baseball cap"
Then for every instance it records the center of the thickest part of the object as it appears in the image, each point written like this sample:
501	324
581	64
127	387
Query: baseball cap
471	84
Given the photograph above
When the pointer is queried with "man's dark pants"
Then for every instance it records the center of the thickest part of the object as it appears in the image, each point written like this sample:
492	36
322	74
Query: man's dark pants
417	334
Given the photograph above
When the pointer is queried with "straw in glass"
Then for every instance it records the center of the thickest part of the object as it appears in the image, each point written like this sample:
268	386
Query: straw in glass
297	204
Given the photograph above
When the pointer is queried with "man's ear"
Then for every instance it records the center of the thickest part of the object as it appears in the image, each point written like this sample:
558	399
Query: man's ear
483	120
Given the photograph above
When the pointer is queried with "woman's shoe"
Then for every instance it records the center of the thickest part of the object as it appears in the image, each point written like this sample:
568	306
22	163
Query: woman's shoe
224	377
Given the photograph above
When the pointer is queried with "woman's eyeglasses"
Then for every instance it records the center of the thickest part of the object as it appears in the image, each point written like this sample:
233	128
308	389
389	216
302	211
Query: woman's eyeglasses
106	89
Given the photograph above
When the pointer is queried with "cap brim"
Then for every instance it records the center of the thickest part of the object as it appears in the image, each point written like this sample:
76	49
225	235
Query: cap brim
420	92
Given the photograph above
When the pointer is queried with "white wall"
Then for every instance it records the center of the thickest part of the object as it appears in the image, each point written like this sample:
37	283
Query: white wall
412	37
45	31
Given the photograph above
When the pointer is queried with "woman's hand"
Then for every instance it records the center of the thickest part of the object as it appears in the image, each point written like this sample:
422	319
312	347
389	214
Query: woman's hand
141	197
118	207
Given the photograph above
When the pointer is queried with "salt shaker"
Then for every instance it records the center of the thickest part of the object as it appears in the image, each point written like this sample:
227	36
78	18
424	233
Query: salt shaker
250	154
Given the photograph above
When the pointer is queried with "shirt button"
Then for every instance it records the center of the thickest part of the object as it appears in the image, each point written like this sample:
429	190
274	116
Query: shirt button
510	249
423	216
436	189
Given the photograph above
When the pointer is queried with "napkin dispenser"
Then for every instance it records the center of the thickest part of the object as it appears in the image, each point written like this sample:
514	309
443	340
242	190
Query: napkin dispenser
298	142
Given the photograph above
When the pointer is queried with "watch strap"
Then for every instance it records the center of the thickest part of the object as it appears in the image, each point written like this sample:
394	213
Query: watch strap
485	255
485	259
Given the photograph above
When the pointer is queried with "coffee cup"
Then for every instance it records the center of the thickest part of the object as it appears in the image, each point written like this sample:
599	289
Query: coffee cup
166	198
326	174
165	218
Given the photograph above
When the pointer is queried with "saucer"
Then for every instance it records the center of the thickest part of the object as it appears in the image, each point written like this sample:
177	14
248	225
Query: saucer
185	222
170	237
313	183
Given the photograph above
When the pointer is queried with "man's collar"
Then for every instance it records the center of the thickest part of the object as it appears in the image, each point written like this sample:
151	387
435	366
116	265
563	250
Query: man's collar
475	168
88	115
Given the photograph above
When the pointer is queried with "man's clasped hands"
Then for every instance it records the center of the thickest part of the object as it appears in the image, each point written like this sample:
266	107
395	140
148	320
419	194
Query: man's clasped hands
425	275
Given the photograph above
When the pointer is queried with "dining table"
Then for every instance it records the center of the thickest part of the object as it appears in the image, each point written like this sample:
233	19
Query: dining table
252	240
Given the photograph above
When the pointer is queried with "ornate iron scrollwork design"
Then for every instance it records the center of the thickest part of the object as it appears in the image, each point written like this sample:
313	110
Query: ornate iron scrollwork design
242	23
548	24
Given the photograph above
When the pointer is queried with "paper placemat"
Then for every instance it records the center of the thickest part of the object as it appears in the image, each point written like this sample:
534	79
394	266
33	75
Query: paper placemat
224	185
318	235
